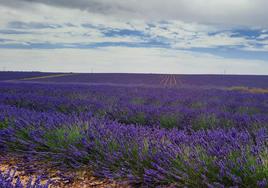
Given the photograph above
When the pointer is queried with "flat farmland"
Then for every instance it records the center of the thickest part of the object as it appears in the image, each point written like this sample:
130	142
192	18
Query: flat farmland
134	130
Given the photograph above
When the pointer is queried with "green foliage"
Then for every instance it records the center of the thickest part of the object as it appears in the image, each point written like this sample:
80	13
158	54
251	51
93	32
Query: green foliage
130	157
100	113
205	122
168	121
248	110
23	134
62	137
197	105
20	136
249	170
137	100
136	163
138	118
113	146
4	124
187	164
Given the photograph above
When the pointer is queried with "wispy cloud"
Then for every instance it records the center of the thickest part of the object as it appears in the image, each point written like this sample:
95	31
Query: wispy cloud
13	32
31	25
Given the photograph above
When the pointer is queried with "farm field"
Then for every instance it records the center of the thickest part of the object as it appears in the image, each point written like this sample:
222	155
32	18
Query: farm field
152	80
10	76
133	130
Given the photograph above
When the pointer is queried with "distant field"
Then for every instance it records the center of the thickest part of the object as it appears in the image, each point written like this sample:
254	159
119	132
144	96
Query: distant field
21	75
164	80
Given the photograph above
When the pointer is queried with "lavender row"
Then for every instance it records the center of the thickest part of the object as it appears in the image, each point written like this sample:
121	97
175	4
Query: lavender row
181	108
144	155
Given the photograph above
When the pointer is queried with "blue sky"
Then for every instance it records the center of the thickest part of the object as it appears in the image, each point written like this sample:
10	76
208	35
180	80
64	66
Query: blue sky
112	36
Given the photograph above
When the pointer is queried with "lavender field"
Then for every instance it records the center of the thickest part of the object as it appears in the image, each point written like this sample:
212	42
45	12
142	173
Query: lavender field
146	130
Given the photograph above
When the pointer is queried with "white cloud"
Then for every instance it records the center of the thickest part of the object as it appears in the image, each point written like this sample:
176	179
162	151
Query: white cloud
228	12
177	33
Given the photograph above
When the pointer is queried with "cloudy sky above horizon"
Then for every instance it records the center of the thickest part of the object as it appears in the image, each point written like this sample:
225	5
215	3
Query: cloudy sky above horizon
150	36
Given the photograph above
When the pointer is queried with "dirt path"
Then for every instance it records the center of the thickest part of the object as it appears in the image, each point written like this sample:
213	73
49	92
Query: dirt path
82	178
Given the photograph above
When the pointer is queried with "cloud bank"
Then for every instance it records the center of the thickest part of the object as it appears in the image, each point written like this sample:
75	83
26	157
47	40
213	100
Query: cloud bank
232	34
131	60
230	12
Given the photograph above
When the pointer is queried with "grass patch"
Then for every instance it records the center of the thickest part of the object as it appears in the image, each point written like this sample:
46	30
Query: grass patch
137	100
248	169
205	122
63	137
197	105
138	118
168	121
4	124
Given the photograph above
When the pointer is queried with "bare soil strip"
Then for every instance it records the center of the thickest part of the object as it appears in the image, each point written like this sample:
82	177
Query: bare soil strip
81	178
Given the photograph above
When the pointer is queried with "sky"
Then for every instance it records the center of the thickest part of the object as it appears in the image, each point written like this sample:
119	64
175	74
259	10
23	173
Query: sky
149	36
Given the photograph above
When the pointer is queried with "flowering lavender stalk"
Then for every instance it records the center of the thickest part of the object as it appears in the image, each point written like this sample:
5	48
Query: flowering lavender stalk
8	180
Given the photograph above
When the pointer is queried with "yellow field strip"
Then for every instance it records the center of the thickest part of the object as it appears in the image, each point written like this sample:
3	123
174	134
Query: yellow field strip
250	90
43	77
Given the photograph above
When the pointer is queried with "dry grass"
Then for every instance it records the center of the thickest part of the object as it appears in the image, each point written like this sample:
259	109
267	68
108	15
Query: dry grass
43	77
249	90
